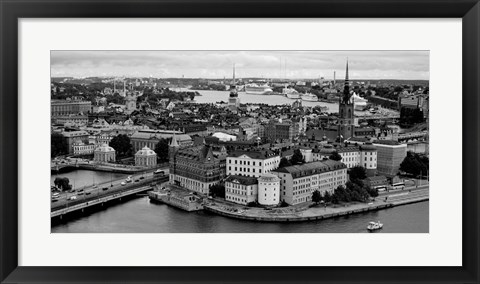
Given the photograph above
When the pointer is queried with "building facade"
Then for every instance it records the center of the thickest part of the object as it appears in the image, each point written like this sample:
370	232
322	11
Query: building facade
390	155
297	183
268	190
146	158
195	168
104	154
150	138
241	189
252	163
80	148
67	107
75	136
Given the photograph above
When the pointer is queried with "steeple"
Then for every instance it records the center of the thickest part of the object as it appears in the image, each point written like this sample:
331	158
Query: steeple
346	88
174	142
233	88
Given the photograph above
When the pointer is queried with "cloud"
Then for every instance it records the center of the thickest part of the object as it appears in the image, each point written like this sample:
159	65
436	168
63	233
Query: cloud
219	64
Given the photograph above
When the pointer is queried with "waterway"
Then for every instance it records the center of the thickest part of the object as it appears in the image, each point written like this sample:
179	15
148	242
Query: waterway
85	178
217	96
139	215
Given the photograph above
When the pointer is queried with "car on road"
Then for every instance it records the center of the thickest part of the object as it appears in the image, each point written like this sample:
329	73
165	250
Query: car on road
105	188
142	177
88	193
80	193
123	183
55	194
72	197
137	180
159	172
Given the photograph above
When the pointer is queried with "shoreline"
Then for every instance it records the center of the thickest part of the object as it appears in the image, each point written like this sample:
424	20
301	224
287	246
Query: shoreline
290	214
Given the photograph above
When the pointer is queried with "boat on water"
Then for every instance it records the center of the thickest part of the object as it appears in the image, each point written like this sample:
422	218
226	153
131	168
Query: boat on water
372	226
309	97
358	102
255	89
291	93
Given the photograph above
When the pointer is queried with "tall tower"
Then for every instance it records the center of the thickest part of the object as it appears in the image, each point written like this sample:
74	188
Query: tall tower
346	112
233	100
172	151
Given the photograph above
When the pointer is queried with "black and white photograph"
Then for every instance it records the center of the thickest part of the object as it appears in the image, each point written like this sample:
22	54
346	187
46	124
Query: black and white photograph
239	141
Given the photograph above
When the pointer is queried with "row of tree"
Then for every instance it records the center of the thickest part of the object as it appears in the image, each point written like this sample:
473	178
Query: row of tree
415	164
348	193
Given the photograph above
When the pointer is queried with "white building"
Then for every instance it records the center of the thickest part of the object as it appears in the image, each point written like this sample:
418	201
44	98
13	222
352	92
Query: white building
80	148
352	156
104	154
241	189
307	154
252	163
146	157
268	190
297	183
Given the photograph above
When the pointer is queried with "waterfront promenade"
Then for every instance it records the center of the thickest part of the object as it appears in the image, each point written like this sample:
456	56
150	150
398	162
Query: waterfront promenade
303	212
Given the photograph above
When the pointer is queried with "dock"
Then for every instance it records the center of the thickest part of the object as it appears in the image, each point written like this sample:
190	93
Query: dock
177	198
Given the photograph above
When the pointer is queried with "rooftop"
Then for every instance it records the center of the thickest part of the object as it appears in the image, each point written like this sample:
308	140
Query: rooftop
312	168
253	154
244	180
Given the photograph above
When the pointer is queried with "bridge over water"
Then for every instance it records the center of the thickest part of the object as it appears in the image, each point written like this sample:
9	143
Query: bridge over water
102	196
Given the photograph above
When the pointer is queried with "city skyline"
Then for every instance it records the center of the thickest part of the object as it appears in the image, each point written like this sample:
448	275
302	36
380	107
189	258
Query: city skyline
364	65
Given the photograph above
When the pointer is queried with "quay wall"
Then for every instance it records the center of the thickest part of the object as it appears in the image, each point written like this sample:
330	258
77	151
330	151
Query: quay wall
291	218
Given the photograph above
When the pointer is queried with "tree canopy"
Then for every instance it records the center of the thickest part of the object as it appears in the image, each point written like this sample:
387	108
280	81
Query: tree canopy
121	144
415	164
316	196
297	157
335	156
357	173
284	162
161	148
217	190
62	183
58	145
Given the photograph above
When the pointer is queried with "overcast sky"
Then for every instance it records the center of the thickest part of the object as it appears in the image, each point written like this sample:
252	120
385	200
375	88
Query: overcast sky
218	64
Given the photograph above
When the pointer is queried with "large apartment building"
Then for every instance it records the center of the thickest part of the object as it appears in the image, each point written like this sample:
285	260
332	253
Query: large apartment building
390	155
195	168
252	163
66	107
297	183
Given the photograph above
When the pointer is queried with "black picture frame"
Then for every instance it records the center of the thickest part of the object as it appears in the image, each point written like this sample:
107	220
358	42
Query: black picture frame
11	11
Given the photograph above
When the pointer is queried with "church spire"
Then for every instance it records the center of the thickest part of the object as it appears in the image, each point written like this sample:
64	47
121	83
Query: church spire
346	88
174	142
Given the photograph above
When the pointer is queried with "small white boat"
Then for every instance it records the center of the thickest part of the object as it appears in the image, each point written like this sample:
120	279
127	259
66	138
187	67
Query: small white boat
372	226
309	97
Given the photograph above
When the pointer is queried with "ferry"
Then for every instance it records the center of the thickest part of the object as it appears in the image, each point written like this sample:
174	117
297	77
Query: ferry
372	226
254	89
309	97
291	93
